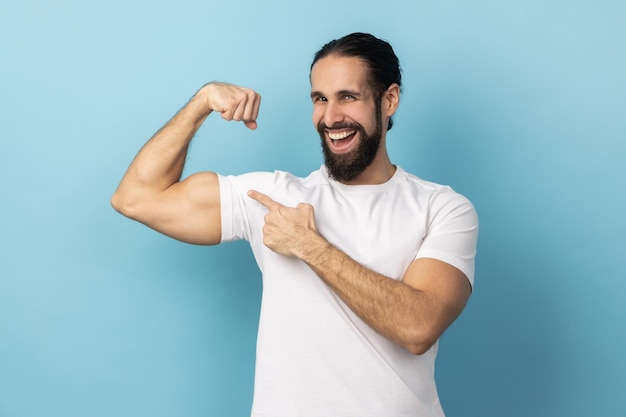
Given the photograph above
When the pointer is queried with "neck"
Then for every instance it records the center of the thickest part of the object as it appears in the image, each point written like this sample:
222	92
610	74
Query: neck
380	171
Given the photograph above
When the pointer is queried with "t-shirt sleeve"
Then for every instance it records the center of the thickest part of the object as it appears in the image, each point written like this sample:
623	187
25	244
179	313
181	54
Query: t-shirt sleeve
239	212
452	232
235	224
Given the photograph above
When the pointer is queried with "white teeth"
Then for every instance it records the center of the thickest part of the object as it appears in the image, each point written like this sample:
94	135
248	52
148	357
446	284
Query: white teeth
340	135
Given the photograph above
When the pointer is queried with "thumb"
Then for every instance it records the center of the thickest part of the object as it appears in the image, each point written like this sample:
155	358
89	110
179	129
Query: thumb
251	124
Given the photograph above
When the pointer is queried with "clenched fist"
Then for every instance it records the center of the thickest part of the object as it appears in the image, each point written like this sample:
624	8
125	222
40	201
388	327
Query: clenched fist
233	102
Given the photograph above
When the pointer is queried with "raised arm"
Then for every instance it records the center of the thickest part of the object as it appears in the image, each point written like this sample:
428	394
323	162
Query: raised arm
151	190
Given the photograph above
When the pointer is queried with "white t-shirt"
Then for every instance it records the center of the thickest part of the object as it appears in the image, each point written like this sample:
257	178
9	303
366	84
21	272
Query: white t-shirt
315	357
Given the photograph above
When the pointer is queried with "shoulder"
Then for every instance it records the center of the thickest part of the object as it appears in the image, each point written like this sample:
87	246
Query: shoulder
267	182
420	186
437	197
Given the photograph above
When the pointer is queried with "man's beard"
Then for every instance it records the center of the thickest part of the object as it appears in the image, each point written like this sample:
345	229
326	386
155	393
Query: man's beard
347	166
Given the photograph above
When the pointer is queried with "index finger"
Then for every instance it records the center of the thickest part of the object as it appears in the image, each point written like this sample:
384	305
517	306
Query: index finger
263	199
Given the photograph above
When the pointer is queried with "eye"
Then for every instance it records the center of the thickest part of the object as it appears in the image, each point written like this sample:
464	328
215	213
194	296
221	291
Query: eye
348	97
319	99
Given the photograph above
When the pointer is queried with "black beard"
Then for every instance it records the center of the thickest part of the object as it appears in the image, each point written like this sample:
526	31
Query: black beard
347	166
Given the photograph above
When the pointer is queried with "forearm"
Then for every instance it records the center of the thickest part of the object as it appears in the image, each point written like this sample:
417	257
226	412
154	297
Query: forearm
392	308
152	191
160	162
412	312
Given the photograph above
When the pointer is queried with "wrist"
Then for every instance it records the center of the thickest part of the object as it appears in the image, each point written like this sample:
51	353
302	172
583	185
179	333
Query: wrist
202	100
198	107
314	249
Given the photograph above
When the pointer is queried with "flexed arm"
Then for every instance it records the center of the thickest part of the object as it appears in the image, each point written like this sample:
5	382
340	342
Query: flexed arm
151	191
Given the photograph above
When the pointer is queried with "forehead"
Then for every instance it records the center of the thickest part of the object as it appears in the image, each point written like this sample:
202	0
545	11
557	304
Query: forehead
338	73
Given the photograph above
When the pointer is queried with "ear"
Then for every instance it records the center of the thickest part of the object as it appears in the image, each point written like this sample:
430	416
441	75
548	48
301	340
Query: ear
391	100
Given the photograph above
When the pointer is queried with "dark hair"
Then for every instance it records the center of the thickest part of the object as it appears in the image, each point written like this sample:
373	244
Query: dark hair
378	55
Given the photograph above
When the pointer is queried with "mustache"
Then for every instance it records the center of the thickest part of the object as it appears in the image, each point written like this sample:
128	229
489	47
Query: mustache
321	126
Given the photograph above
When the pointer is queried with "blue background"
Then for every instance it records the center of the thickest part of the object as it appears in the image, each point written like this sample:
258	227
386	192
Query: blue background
519	105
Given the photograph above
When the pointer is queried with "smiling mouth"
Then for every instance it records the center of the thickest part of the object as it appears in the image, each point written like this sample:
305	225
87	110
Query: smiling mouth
341	140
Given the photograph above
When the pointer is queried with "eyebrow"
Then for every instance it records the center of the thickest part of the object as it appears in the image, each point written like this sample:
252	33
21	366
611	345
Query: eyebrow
349	93
339	93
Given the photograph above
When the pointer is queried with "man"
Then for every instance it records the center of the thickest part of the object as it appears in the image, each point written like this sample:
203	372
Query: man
364	265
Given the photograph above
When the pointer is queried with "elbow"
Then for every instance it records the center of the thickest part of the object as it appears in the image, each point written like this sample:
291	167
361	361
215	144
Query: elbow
420	341
121	203
419	348
116	203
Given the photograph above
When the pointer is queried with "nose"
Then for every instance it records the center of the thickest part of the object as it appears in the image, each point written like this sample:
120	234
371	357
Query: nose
332	114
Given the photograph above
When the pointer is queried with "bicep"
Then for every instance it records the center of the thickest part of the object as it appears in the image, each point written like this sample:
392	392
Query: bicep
446	288
188	210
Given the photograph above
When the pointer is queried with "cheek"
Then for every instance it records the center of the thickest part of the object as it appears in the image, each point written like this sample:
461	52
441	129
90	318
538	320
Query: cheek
363	117
372	117
316	116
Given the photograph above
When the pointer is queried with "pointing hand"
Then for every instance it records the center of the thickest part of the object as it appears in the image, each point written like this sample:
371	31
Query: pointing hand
287	230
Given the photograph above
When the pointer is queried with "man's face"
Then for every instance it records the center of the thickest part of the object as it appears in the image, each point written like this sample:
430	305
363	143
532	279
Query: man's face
346	115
